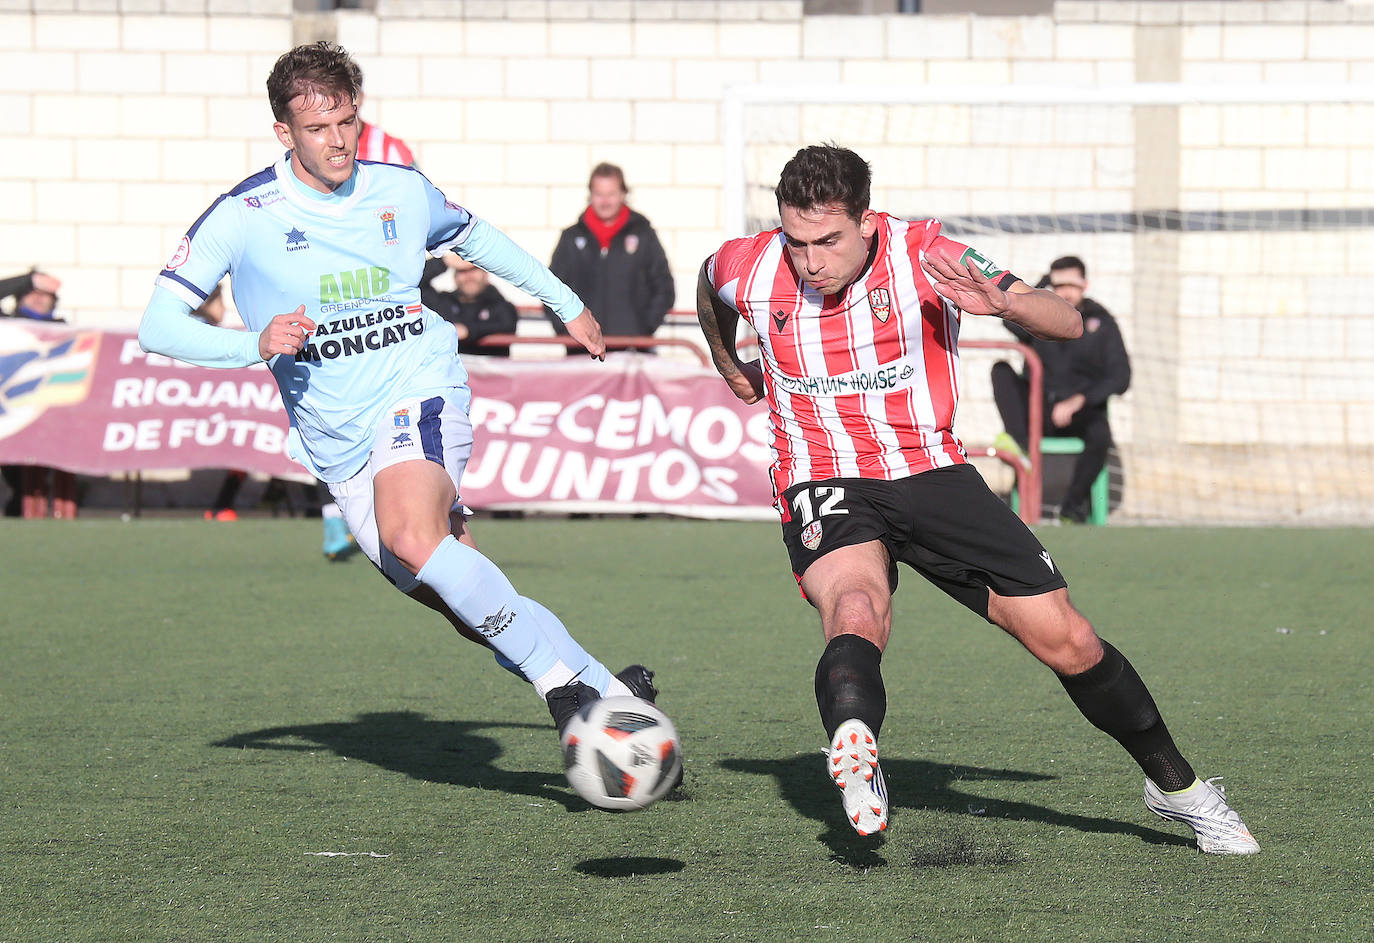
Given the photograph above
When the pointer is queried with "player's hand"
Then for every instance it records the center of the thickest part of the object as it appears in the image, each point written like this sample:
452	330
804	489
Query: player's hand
1062	412
746	382
965	286
586	330
285	334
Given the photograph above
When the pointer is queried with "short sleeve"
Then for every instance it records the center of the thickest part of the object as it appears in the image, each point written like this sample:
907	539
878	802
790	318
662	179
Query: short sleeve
727	265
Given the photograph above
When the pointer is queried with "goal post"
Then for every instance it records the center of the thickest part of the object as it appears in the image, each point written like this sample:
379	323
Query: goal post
1230	231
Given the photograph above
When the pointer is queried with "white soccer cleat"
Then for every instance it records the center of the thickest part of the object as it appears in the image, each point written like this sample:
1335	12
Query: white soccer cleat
1203	807
852	764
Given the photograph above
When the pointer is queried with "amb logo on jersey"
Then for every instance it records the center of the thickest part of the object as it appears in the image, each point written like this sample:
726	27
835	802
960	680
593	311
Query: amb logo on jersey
371	282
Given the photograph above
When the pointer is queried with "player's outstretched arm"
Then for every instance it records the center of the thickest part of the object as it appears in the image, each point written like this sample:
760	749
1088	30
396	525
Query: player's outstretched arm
167	328
1042	313
718	324
586	330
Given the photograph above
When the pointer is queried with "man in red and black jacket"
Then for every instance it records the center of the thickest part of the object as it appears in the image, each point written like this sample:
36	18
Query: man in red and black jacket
612	258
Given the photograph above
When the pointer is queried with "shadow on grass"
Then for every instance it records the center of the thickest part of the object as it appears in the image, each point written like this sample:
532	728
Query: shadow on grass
628	867
919	784
439	751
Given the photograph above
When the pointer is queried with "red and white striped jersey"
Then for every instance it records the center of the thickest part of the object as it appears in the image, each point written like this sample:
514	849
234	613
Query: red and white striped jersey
376	144
862	384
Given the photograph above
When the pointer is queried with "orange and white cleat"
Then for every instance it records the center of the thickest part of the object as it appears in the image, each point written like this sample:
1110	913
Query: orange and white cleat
852	764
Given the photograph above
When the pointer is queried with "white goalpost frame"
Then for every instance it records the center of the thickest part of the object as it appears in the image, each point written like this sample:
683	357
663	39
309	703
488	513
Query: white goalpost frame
1340	497
737	98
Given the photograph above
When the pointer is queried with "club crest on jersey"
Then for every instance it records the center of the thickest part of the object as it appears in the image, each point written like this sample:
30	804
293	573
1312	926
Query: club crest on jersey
295	240
881	303
388	217
400	419
811	535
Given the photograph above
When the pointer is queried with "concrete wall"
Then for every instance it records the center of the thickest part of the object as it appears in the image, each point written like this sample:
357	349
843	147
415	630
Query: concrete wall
125	118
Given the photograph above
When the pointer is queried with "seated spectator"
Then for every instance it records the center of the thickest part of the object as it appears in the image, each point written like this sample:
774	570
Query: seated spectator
1079	376
612	258
475	309
35	298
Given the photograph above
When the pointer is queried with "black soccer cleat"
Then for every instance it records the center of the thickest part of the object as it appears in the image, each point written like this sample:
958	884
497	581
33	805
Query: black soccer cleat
564	702
640	681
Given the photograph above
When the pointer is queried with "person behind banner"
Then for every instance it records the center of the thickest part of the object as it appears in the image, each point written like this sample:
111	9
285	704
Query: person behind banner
475	308
613	258
34	298
376	394
857	314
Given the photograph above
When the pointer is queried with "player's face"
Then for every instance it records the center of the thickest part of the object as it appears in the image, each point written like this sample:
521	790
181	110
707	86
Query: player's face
1069	284
828	247
606	197
323	137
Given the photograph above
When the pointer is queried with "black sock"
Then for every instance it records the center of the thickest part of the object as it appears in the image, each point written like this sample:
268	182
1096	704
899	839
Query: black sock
849	684
1114	699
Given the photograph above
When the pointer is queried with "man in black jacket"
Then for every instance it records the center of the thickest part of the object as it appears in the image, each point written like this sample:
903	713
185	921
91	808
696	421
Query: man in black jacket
475	308
1079	376
612	258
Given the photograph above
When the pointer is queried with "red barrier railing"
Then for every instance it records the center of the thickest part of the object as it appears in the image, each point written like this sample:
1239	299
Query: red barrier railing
613	341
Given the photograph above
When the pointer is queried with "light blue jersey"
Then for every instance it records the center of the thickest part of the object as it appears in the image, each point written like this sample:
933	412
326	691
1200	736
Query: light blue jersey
354	259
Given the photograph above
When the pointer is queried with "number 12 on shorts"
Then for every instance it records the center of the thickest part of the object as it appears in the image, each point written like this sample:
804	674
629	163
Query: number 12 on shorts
826	502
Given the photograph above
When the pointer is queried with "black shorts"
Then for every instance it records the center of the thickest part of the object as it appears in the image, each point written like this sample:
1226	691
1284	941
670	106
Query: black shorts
946	524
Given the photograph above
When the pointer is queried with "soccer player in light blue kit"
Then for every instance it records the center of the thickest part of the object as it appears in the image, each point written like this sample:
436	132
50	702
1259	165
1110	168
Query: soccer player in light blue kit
326	253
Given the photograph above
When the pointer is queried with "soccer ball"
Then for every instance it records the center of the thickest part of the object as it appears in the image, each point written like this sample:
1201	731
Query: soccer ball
621	753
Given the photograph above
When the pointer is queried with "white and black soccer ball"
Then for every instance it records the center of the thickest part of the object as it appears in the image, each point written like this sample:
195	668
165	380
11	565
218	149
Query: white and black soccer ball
621	753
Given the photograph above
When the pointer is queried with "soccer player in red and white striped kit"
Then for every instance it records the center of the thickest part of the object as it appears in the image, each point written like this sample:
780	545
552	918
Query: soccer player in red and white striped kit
857	314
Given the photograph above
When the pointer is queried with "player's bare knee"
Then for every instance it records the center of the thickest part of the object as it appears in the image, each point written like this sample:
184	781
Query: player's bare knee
857	612
411	547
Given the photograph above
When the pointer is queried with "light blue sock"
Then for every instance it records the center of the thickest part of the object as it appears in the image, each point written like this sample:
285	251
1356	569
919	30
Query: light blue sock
588	669
481	595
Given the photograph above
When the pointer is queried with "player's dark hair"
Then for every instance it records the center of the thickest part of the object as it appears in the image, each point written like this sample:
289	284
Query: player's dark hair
1068	262
321	68
826	173
606	169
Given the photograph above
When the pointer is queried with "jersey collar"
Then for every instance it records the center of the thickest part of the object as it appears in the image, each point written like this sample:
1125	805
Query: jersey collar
331	206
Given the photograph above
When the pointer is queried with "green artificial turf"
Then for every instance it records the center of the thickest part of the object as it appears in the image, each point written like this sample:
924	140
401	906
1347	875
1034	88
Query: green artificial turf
210	733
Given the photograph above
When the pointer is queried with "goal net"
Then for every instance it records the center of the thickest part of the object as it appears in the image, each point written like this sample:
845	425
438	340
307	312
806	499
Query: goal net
1230	232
